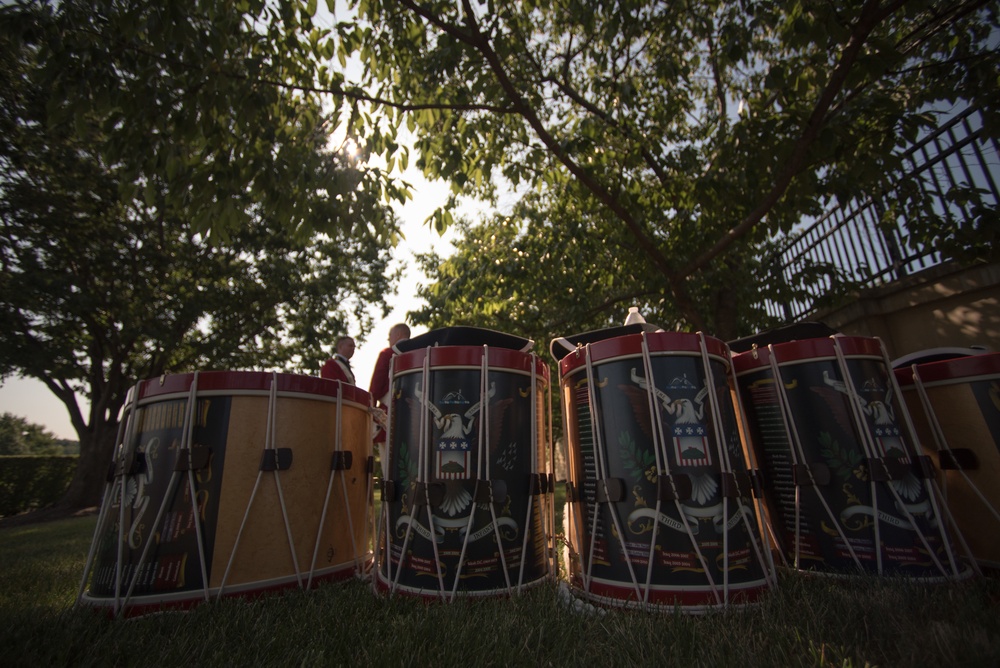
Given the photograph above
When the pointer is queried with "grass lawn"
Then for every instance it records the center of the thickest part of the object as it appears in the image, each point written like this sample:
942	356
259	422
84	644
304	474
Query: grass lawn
803	622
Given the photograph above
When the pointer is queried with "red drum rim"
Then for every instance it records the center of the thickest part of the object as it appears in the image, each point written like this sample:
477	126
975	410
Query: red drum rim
630	345
469	357
249	382
960	369
807	349
664	597
144	604
384	586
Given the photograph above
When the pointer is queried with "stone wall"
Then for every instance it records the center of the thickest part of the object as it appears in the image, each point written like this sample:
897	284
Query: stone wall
943	307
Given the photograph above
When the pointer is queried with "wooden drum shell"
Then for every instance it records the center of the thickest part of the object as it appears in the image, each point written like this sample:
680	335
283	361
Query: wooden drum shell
256	509
963	400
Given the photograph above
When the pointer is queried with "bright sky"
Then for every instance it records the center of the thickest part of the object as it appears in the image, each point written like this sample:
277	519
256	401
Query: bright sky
30	399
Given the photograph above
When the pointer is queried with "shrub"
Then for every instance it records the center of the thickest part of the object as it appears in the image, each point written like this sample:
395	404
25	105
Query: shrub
33	481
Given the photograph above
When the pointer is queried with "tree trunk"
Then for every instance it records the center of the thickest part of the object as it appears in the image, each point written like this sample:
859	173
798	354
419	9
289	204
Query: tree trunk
96	449
726	316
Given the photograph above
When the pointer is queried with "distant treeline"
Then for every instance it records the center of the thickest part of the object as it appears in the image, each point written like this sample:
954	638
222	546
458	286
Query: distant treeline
20	437
66	447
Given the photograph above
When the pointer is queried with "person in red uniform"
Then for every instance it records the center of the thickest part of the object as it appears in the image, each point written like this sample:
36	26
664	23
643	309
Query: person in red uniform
338	367
379	386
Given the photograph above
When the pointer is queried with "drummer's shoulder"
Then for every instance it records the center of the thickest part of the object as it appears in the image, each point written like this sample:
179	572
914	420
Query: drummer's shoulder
334	370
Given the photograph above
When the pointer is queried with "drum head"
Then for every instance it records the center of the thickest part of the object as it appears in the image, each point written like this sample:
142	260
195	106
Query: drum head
564	345
798	331
464	336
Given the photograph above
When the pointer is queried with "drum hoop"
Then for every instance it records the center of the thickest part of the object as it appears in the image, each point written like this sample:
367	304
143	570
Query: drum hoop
805	360
465	367
808	350
231	383
954	372
196	595
577	367
759	583
963	380
379	580
630	346
174	396
468	358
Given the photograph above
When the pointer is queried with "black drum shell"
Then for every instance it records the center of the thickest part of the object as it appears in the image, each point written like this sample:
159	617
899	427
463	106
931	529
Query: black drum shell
707	550
839	475
436	475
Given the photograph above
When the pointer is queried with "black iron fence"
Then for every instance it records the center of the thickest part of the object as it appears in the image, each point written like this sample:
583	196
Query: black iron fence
851	241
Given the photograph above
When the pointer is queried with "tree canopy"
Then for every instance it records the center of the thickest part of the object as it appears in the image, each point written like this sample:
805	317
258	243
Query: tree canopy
215	97
20	437
168	204
659	144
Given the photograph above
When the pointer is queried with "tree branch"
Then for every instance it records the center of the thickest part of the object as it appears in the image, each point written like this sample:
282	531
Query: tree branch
351	92
588	106
870	17
480	43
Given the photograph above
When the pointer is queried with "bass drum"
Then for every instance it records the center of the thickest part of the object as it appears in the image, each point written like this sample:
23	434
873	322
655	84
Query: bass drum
466	502
232	483
660	511
955	405
847	491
